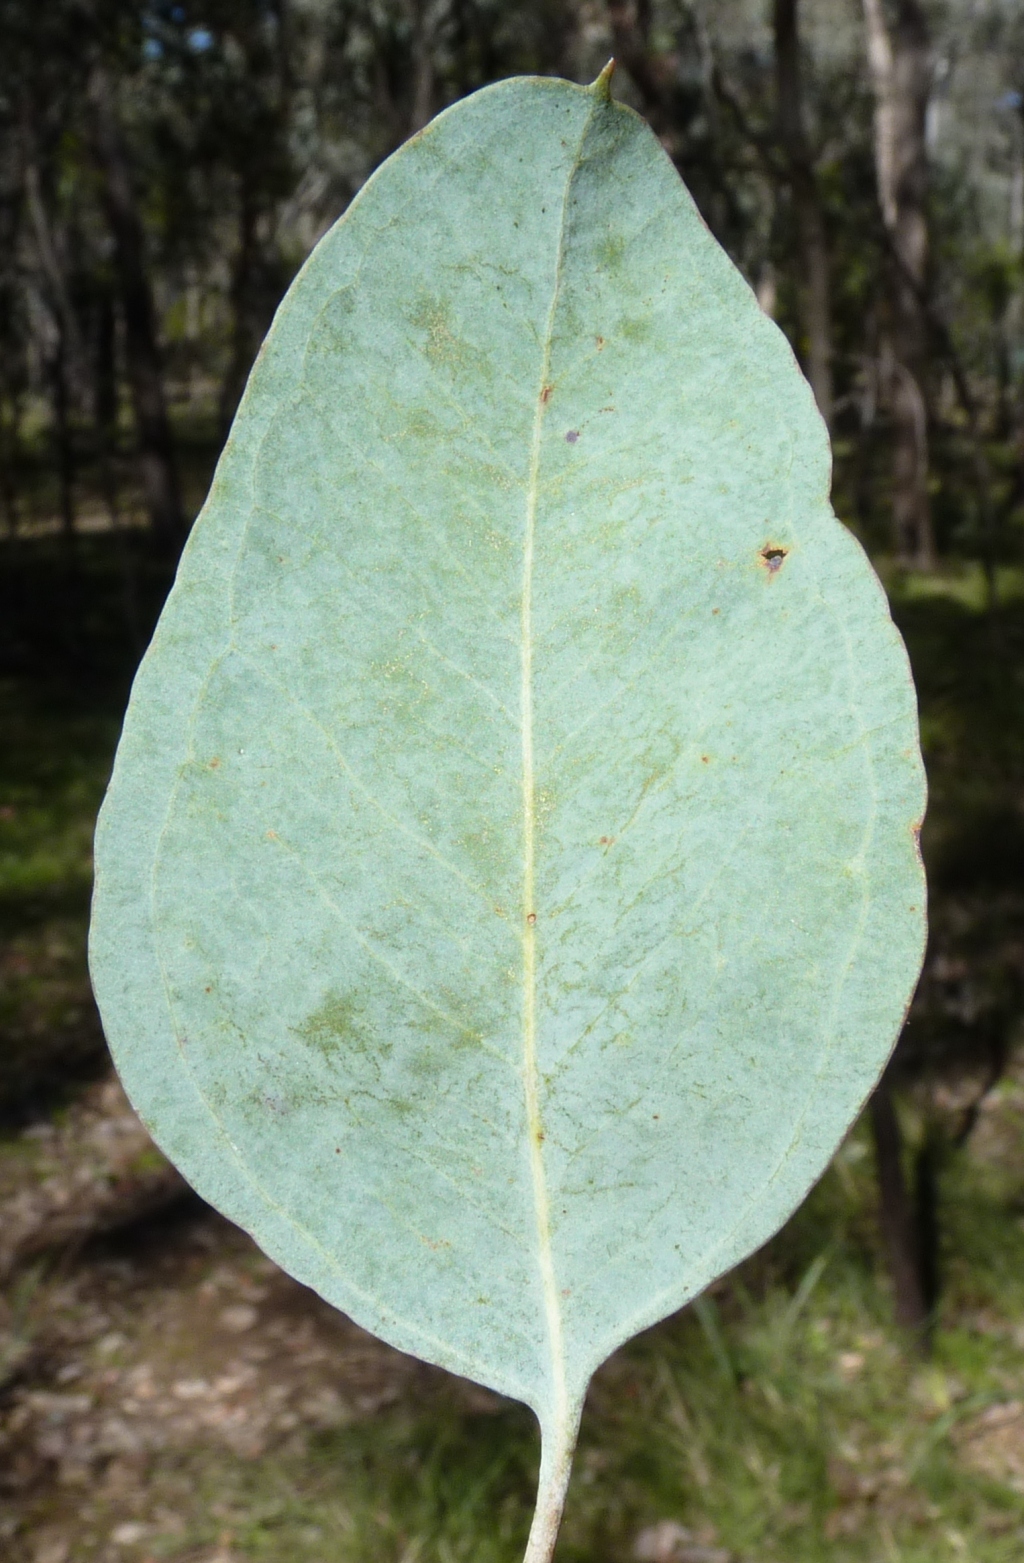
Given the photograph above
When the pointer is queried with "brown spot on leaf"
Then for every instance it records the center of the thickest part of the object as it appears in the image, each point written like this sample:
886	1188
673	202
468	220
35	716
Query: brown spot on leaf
606	841
705	759
215	763
773	556
271	835
531	918
545	394
600	342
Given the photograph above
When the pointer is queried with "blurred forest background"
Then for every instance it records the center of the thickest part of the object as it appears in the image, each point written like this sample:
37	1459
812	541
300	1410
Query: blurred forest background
856	1391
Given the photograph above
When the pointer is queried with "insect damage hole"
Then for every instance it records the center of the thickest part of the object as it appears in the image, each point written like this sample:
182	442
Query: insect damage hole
773	556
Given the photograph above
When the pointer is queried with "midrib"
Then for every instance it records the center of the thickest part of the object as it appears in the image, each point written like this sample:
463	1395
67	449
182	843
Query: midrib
542	1213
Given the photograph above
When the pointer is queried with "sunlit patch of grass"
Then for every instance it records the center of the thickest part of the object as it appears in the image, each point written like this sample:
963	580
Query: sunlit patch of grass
962	581
53	768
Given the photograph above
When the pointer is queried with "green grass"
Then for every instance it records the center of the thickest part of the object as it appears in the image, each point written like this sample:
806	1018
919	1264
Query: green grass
961	581
53	767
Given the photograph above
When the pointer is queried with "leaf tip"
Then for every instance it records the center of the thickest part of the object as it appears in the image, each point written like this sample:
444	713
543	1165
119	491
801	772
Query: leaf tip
602	87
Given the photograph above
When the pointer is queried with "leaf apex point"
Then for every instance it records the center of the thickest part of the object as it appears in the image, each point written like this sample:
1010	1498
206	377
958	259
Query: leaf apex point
602	87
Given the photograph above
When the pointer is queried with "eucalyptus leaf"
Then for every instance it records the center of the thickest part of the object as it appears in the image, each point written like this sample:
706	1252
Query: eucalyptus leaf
508	889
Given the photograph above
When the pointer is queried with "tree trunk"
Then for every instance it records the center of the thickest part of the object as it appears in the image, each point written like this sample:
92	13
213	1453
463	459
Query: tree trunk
899	58
630	22
104	366
241	336
67	344
105	406
426	16
814	258
46	250
63	439
927	1167
10	413
897	1216
145	372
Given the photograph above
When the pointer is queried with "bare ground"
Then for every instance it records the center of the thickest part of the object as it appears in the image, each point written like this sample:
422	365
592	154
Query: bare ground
128	1355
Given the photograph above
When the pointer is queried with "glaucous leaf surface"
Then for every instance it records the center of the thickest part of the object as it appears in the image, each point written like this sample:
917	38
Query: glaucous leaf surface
508	888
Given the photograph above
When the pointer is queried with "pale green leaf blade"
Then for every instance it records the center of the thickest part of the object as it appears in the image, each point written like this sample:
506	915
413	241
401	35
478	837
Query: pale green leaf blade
508	889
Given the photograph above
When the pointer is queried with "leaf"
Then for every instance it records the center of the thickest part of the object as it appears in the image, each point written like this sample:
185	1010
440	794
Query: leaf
508	889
